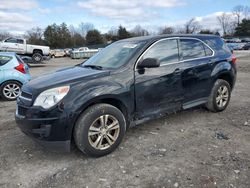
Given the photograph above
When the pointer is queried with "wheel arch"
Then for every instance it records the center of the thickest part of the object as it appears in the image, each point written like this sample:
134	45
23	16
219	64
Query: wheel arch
224	71
10	81
38	51
107	100
227	77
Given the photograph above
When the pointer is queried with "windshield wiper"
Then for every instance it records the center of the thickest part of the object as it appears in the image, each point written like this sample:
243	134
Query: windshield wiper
94	67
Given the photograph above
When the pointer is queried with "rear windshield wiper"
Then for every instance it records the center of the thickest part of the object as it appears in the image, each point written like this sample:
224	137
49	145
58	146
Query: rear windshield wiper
94	67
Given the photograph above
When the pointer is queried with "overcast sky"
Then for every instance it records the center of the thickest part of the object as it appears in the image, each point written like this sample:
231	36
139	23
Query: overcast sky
17	16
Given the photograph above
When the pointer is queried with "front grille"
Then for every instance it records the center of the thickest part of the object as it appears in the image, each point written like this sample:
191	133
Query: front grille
21	110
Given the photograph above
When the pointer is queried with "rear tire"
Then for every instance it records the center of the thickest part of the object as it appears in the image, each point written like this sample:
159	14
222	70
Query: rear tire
37	57
10	90
219	97
99	130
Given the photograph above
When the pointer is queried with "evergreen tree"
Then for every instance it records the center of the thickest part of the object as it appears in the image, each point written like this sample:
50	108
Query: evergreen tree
94	37
243	29
123	33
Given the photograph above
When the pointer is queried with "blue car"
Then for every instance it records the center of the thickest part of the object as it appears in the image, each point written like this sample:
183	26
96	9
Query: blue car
13	74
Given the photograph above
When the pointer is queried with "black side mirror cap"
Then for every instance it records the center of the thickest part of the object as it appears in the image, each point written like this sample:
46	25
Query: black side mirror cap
148	63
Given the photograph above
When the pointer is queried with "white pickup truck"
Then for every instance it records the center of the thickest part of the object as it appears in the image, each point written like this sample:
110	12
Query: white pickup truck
21	47
83	52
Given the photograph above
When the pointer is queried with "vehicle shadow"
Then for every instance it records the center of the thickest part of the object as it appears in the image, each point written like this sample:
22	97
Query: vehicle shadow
2	100
148	126
37	66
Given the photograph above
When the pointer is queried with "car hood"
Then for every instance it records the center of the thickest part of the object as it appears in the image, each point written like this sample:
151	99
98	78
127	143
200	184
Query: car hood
61	77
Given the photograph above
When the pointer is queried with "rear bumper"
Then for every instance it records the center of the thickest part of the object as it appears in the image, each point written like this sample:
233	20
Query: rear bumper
234	76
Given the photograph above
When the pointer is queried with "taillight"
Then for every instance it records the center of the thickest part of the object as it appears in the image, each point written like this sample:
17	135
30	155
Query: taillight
21	68
234	59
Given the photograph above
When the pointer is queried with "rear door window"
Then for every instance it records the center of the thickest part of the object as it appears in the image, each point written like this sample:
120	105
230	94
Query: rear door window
208	51
192	49
4	59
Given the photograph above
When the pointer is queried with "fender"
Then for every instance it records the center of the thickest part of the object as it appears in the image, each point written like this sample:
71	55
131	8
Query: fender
222	68
88	95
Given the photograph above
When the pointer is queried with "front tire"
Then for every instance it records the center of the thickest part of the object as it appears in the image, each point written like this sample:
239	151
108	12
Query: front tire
99	130
10	90
219	97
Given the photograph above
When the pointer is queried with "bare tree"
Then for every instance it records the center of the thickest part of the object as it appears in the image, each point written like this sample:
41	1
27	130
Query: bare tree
192	26
225	22
113	34
4	35
139	31
113	31
246	12
166	30
231	27
179	30
36	32
85	27
238	12
72	30
35	35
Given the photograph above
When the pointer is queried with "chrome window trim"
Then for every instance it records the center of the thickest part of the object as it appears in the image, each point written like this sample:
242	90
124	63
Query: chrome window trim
152	45
204	49
171	38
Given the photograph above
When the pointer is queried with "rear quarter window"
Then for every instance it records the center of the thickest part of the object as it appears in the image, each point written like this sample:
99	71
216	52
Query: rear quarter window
192	49
4	59
218	45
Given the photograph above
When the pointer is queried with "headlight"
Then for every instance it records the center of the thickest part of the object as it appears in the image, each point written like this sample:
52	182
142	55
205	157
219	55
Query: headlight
51	97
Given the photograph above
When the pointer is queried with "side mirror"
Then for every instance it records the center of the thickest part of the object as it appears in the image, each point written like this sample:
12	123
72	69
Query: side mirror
148	63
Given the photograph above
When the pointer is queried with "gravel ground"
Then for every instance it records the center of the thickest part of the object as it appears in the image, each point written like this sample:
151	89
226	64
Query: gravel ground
180	150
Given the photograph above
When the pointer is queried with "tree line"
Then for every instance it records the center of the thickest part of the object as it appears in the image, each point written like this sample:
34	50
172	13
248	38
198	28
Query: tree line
235	23
63	36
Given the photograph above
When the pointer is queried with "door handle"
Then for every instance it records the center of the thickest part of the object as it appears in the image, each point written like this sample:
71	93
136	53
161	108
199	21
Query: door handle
177	71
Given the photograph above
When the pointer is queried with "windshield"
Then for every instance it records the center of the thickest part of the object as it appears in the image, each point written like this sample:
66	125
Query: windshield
115	55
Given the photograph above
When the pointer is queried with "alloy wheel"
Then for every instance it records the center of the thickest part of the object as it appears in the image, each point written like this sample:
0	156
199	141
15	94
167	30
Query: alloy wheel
11	91
222	96
37	58
103	132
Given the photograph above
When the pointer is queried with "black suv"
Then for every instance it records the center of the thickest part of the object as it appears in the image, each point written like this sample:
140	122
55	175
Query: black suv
125	84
